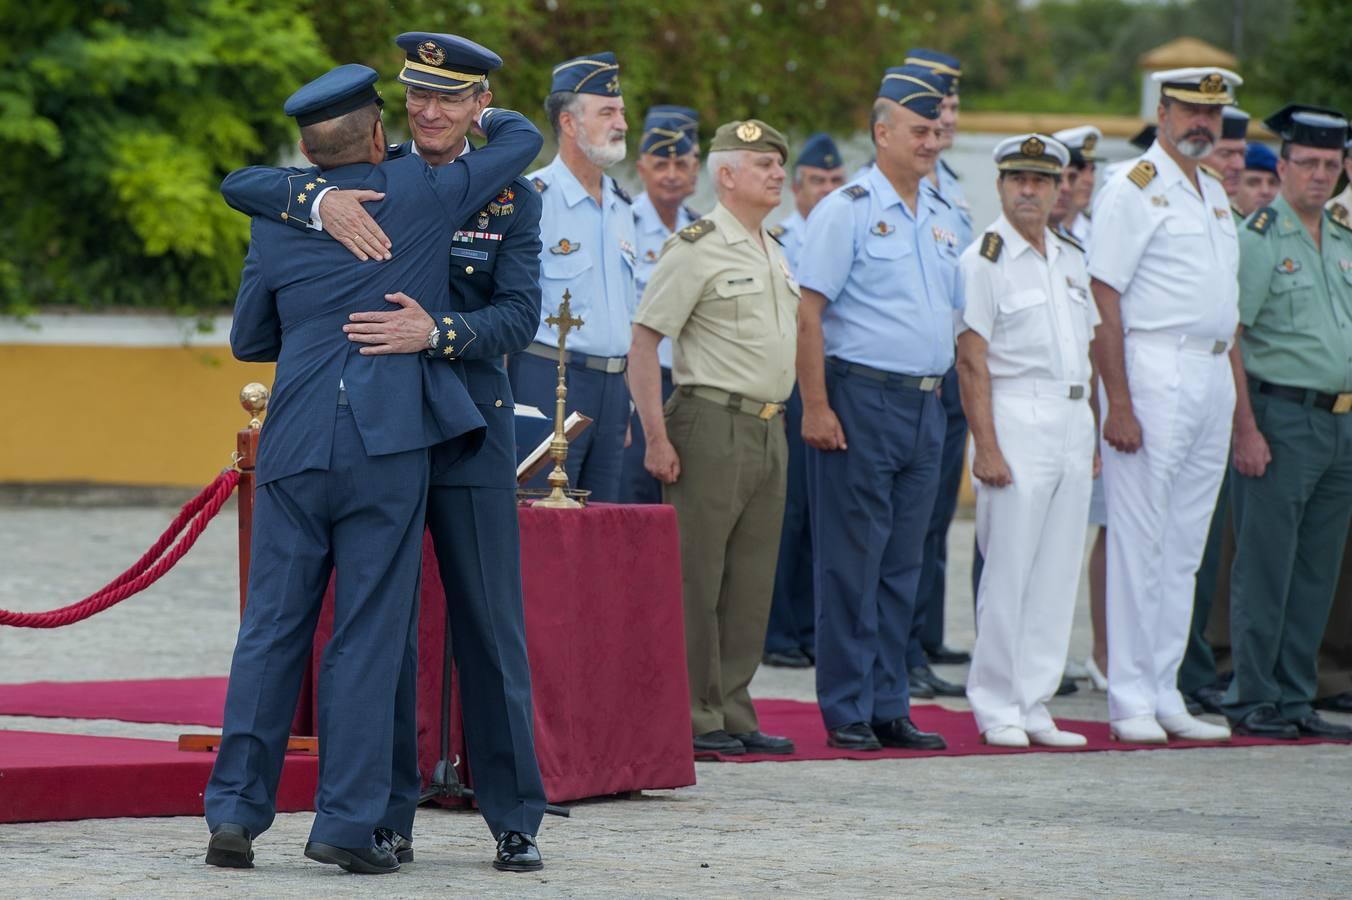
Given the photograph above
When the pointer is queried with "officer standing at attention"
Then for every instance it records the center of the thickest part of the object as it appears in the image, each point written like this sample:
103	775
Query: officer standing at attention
790	639
1258	183
342	474
1292	479
723	293
926	642
1023	355
1164	263
494	309
875	339
668	166
588	250
1226	162
1082	142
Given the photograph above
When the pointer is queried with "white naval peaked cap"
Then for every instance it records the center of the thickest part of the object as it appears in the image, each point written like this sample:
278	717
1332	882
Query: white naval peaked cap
1031	153
1205	85
1082	138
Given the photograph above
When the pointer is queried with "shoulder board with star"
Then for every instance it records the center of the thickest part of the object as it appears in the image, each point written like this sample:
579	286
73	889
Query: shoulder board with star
540	185
855	191
696	230
1142	173
1339	215
992	245
621	192
1065	236
1211	171
934	192
1263	220
775	231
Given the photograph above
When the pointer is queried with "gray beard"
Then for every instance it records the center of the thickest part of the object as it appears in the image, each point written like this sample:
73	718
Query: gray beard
1195	148
603	156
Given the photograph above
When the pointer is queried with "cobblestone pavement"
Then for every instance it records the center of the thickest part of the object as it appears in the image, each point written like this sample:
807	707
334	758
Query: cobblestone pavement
1255	822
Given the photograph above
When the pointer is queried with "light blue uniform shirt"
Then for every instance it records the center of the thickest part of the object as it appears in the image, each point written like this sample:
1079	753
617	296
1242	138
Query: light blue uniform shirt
792	238
588	250
951	190
652	234
890	277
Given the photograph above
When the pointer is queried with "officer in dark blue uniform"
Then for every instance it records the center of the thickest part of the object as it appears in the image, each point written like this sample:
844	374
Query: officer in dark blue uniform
493	310
342	470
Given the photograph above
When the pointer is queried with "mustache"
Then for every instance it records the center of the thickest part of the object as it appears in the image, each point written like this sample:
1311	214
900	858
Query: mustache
1200	133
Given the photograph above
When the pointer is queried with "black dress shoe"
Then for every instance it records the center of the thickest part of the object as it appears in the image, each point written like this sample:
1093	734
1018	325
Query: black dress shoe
758	742
1314	725
357	860
787	659
1067	687
902	733
857	736
1209	699
924	676
230	847
517	853
717	742
1337	703
1264	722
396	843
947	656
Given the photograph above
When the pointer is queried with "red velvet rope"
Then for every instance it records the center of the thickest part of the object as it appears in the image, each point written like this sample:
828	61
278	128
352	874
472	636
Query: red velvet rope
195	514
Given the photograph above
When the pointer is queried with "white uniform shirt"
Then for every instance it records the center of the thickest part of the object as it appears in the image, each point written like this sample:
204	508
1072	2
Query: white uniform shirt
1035	312
1171	252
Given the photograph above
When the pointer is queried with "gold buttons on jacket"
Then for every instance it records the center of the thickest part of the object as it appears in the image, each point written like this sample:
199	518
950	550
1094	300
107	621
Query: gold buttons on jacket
469	270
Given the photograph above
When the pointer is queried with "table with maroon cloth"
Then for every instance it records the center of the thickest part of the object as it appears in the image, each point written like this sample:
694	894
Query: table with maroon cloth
606	640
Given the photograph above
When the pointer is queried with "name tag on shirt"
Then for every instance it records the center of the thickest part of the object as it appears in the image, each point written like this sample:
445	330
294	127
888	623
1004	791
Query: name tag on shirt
471	254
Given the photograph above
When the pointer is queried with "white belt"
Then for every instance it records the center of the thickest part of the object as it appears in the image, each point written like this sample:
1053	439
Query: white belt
1211	346
1041	387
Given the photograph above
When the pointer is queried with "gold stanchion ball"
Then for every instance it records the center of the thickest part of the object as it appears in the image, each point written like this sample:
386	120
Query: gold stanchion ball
254	398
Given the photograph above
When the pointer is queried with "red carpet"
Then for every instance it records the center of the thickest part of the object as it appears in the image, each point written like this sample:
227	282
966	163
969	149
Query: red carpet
803	722
49	777
174	701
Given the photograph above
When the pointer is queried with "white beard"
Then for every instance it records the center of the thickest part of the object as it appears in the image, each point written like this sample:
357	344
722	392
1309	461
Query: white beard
603	156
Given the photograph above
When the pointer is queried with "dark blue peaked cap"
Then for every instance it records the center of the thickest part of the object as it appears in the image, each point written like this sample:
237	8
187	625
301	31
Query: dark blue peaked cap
444	62
819	151
1260	157
335	93
598	73
947	67
914	87
670	131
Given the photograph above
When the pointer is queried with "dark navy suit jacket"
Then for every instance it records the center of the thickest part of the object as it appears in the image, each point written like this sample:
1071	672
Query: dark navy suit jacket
494	305
299	286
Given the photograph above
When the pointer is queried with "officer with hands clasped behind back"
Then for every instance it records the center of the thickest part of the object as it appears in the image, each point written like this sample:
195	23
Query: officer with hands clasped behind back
343	477
1292	479
494	309
1023	356
879	287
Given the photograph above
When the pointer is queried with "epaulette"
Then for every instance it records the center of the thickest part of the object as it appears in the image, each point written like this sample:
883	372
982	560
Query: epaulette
855	191
775	231
540	185
1061	233
621	192
690	212
1339	215
934	192
1142	173
1211	171
1262	220
949	170
696	230
992	245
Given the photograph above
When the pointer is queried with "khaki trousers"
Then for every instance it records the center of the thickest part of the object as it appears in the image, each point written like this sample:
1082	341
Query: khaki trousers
729	502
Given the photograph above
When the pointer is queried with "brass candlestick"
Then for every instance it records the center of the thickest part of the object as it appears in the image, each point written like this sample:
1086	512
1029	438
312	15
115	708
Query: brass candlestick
565	322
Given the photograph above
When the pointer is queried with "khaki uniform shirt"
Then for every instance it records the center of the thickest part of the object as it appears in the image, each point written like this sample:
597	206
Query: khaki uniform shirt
730	308
1295	300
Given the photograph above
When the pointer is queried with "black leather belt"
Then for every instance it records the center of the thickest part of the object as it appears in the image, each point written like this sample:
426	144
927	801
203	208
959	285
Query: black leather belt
1338	404
919	382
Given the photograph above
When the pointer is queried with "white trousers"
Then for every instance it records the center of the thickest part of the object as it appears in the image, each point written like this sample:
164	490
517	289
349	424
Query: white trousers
1160	501
1031	534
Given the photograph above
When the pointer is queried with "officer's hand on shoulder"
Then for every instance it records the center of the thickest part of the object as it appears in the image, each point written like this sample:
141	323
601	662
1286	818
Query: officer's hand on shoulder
348	222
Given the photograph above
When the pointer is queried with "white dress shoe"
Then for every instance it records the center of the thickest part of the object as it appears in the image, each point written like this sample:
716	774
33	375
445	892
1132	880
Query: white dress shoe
1138	730
1005	736
1055	737
1185	727
1096	678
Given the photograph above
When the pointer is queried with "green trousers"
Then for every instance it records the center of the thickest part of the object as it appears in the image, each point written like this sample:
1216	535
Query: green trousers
729	502
1290	529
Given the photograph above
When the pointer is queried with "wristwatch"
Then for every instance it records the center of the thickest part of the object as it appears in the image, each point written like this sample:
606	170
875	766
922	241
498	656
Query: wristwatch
433	338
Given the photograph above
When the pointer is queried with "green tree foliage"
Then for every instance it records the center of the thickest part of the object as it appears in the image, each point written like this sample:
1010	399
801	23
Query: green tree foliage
1311	63
117	121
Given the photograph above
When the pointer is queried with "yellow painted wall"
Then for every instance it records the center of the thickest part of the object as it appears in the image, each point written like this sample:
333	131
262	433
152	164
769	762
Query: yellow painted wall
120	415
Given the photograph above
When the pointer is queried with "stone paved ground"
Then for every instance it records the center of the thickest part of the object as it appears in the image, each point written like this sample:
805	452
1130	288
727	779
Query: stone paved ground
1255	822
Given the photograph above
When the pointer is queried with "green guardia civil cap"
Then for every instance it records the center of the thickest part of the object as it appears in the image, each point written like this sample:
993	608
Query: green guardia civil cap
751	134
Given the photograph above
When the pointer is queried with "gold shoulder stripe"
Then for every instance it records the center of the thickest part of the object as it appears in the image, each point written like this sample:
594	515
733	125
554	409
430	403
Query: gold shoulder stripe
540	185
992	245
1142	173
696	230
1339	215
1211	171
1262	220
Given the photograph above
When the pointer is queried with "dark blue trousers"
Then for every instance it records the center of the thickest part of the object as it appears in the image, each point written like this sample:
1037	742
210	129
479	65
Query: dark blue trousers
793	616
869	507
637	486
596	457
927	629
363	517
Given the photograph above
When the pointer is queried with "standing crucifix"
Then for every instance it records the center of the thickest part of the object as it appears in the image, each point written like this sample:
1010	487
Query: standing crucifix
565	322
